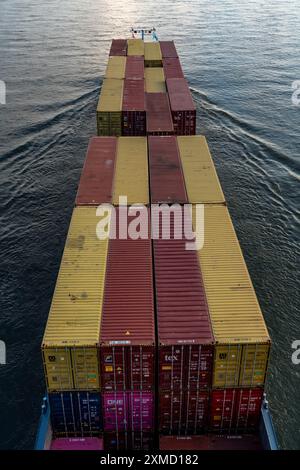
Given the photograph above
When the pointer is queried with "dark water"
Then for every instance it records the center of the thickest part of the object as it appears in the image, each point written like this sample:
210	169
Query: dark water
240	58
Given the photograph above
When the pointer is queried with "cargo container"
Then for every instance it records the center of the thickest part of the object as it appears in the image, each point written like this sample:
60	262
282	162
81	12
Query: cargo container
168	49
75	443
128	441
235	410
109	109
76	413
243	343
128	411
172	68
134	68
70	343
135	47
153	57
201	179
118	47
159	118
183	412
166	175
134	108
128	328
96	181
116	67
131	173
185	339
182	106
155	80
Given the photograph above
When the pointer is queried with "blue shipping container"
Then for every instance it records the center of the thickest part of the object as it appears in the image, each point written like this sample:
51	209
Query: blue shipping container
76	413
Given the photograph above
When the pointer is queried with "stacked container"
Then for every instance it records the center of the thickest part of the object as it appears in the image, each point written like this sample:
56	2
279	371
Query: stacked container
109	109
153	57
182	106
159	118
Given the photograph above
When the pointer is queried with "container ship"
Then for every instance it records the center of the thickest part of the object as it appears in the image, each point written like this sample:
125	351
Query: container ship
148	344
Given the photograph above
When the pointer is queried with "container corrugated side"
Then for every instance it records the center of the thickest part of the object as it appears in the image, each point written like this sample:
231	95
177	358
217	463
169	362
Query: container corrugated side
134	68
243	343
70	343
109	109
134	108
131	174
135	47
159	118
172	68
166	175
168	49
128	325
201	179
182	106
185	338
118	47
96	181
153	57
116	67
155	80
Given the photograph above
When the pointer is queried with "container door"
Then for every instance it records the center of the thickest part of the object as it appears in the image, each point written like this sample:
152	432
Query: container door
113	368
248	406
171	367
64	413
227	366
254	365
170	412
199	362
58	370
141	368
141	411
90	411
115	411
85	368
222	413
196	412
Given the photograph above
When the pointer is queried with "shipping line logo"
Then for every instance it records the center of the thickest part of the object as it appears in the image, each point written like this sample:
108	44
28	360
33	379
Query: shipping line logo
296	94
174	221
2	92
2	353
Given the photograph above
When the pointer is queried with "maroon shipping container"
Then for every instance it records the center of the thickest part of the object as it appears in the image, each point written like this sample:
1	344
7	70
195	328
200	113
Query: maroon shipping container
166	175
159	118
172	68
168	49
134	108
182	106
128	411
128	441
183	412
235	409
96	181
127	339
118	47
134	68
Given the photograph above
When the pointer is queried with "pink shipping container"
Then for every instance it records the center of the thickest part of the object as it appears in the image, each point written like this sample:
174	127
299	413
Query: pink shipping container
168	49
182	106
134	68
134	108
166	175
183	412
128	441
235	409
82	443
128	411
127	339
172	68
159	118
118	47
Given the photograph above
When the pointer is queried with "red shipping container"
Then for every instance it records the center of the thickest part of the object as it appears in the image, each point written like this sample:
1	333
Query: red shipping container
168	49
96	181
235	409
133	108
159	118
183	412
134	68
128	441
172	68
166	175
118	47
128	411
182	106
127	338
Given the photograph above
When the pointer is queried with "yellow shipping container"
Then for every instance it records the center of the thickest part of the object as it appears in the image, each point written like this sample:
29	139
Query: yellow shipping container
116	67
153	57
135	47
109	109
242	349
70	343
201	179
155	80
131	173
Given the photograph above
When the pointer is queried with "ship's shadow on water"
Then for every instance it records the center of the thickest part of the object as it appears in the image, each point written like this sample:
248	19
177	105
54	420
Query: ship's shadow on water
53	57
